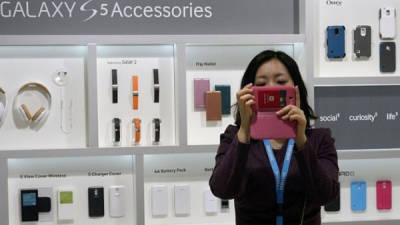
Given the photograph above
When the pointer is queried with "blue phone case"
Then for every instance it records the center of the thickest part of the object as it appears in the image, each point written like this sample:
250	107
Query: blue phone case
358	195
335	41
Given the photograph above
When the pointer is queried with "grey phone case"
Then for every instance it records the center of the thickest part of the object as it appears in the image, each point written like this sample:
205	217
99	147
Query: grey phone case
387	57
362	41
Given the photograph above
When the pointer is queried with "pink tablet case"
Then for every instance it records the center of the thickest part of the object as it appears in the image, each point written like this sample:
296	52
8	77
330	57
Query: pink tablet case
265	124
201	86
383	194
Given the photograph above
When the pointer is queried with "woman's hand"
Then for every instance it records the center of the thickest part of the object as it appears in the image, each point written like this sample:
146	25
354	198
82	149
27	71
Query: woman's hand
245	99
294	113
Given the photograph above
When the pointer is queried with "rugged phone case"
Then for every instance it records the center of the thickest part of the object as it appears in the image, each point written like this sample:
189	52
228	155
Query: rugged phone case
362	41
265	124
334	205
358	195
336	41
96	201
201	86
213	105
383	194
225	97
387	23
29	205
387	57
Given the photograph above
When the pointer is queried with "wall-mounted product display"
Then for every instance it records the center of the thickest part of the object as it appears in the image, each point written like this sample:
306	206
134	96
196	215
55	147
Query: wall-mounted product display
140	84
355	43
45	98
212	82
96	190
366	193
176	191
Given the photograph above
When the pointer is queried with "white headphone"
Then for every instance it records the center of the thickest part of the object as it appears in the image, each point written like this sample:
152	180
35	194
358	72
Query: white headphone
3	104
23	110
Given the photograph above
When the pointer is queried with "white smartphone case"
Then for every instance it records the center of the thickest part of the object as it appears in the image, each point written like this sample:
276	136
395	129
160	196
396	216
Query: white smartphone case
387	23
159	200
182	199
210	202
66	204
117	201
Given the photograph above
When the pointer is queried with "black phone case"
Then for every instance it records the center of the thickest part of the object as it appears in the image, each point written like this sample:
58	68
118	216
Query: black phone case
96	201
334	205
362	41
29	213
387	57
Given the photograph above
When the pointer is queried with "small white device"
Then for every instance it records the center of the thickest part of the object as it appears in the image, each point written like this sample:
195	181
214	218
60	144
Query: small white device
66	204
117	201
182	199
210	202
159	200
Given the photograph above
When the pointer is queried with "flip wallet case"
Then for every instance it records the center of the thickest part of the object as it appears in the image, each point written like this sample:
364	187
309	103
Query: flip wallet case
335	41
265	124
334	205
387	57
213	105
358	195
201	86
383	194
387	23
225	97
362	41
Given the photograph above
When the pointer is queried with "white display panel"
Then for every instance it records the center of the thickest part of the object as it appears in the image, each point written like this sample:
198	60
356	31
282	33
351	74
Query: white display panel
76	174
24	64
370	171
190	172
351	14
221	65
140	61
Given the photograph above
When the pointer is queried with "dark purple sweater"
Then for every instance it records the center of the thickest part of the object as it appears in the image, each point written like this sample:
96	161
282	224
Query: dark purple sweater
243	172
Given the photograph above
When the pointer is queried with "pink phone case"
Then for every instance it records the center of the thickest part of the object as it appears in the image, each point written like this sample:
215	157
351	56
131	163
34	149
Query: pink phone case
383	194
201	86
265	124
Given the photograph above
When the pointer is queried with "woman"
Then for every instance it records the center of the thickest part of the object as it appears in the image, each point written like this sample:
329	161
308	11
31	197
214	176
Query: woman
243	171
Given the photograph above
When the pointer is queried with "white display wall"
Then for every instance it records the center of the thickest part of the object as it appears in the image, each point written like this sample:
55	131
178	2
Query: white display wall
77	174
351	14
24	64
193	171
140	61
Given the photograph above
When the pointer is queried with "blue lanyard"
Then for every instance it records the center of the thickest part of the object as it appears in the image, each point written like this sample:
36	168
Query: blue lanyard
280	178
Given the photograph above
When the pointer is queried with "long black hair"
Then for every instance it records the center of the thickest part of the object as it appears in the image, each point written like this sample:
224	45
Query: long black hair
291	65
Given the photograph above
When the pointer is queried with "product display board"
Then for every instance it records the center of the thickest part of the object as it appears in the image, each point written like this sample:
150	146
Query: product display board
42	104
213	78
95	190
177	192
357	39
136	95
367	193
361	117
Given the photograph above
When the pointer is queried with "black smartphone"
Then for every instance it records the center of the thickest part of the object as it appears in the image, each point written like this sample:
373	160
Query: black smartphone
96	201
29	205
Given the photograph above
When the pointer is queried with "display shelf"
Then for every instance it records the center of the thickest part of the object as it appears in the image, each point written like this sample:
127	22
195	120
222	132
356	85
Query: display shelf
356	81
149	39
